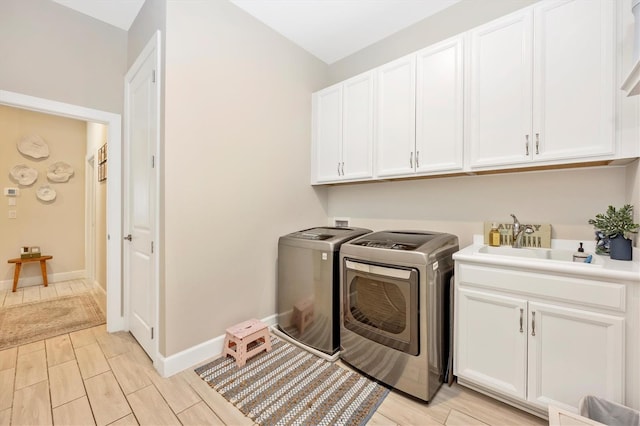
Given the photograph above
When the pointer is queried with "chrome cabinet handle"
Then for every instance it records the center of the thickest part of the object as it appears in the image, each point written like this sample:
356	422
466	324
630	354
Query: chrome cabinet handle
526	145
411	160
521	318
533	323
342	168
537	143
417	159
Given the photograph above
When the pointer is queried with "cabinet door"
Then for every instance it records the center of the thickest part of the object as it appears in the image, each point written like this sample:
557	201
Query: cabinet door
439	107
573	353
491	341
396	117
500	98
327	134
357	127
573	79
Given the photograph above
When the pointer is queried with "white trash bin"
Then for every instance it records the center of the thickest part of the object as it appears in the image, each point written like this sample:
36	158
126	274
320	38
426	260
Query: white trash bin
607	412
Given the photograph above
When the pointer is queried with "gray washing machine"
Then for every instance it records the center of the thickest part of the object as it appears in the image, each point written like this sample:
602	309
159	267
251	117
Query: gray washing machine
308	285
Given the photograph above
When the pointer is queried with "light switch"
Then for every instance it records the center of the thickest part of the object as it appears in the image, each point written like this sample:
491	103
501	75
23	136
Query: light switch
12	201
12	214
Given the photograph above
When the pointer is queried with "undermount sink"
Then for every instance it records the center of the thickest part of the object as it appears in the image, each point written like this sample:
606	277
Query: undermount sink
532	253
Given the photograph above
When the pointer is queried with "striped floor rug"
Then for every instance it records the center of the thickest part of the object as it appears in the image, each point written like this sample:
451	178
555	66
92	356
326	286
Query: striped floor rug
290	386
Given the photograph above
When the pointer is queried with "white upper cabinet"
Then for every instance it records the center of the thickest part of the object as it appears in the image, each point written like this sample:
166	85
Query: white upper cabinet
500	97
534	88
541	85
327	133
396	117
573	79
357	127
439	107
343	131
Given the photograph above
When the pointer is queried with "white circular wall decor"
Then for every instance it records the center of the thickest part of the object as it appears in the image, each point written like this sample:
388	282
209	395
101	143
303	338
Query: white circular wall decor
59	172
46	193
33	146
23	174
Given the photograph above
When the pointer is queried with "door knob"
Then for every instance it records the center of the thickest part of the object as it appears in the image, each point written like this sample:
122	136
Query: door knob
128	237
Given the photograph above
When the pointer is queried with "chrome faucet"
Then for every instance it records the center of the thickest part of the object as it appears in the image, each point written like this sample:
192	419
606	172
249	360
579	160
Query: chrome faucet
517	230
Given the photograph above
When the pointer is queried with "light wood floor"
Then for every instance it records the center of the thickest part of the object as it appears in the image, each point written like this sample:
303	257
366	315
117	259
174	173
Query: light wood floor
94	377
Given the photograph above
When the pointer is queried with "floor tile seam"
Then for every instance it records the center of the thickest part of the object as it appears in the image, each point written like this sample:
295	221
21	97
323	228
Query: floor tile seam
123	394
469	415
118	380
159	393
30	384
211	407
81	379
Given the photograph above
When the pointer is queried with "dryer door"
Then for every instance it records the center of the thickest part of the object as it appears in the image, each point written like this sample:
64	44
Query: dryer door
381	303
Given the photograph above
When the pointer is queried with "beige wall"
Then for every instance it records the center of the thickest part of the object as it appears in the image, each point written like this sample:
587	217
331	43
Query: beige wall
53	52
566	199
236	165
633	193
57	226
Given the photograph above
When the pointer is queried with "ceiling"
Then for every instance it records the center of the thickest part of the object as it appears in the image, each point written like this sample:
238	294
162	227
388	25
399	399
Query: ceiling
328	29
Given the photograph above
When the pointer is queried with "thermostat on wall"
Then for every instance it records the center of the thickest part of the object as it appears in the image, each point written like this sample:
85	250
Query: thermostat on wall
11	192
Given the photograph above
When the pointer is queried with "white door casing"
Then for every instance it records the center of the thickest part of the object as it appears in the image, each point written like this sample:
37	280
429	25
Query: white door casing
141	145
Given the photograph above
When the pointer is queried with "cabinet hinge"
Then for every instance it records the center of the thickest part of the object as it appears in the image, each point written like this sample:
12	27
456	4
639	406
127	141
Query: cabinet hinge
153	76
153	161
151	333
151	246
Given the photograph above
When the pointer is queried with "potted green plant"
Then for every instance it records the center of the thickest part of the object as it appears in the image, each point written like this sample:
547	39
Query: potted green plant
616	226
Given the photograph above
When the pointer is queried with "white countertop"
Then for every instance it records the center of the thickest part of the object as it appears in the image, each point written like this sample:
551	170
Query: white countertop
603	268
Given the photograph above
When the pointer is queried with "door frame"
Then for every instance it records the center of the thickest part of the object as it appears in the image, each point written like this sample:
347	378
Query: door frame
90	218
115	317
153	47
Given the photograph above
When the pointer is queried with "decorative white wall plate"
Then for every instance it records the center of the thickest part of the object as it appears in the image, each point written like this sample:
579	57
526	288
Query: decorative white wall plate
33	146
59	172
46	193
23	174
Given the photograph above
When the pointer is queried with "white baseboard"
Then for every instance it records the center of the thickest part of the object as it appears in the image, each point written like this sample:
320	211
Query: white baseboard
37	279
191	357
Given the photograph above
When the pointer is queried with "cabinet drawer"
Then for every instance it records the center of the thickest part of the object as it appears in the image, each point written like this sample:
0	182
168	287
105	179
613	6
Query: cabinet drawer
600	294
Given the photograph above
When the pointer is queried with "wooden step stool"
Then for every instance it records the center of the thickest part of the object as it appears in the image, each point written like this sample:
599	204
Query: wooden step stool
239	336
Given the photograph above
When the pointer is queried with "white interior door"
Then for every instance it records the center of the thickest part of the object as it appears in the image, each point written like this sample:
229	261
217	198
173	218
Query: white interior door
140	185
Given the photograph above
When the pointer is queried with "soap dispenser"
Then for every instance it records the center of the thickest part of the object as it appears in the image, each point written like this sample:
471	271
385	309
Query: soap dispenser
494	236
580	255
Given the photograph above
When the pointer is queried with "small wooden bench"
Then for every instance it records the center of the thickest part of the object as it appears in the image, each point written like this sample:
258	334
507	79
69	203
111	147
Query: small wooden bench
19	261
240	336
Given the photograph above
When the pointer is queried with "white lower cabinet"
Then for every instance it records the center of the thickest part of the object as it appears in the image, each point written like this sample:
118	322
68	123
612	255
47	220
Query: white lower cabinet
573	353
491	347
534	352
